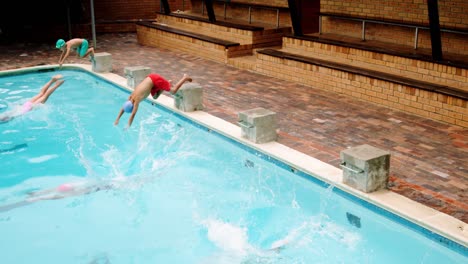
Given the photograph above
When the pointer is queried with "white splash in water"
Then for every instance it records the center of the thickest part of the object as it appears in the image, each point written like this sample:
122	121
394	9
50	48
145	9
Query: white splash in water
316	229
111	157
83	141
10	131
294	203
228	237
234	246
42	158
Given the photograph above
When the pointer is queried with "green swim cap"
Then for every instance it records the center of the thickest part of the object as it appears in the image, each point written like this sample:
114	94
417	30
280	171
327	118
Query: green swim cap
60	43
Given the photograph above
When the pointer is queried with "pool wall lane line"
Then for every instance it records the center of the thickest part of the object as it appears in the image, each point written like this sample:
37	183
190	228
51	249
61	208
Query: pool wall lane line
412	211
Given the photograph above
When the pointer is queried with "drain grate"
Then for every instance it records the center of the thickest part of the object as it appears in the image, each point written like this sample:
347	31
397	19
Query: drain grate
249	163
353	220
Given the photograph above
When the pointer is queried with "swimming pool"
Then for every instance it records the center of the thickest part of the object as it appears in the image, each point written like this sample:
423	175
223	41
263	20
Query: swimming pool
169	190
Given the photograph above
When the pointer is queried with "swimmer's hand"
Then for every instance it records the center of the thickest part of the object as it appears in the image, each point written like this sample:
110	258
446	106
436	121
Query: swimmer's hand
116	122
187	78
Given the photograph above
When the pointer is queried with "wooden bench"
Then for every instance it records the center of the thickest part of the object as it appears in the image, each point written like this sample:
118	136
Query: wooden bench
368	73
219	23
455	63
217	41
365	20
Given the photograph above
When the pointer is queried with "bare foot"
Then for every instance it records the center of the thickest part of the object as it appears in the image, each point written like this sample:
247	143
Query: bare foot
57	77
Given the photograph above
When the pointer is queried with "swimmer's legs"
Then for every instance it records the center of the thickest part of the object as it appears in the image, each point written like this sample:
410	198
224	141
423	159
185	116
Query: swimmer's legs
45	96
90	52
9	207
45	88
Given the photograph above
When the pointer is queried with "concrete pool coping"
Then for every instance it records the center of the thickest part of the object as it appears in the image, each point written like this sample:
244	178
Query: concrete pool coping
431	219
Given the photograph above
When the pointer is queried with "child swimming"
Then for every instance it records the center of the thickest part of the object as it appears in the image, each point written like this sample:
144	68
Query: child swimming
40	98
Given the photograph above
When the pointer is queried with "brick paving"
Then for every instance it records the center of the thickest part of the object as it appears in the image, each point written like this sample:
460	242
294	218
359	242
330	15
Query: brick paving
429	159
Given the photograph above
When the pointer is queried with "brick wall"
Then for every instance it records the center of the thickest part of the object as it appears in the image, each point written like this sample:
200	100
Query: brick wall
423	103
109	10
280	3
259	15
208	29
156	38
116	27
121	15
405	67
453	43
453	13
125	9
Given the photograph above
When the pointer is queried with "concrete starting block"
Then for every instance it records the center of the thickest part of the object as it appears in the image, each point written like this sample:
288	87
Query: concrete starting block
189	97
258	125
102	62
365	168
136	74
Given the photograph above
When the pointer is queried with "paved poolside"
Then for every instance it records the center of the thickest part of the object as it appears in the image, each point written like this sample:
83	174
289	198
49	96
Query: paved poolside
429	159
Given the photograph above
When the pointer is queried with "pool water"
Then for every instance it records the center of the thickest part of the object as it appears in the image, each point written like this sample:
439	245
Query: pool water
168	191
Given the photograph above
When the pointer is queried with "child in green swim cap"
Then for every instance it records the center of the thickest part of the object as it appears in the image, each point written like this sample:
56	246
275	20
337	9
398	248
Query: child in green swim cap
81	46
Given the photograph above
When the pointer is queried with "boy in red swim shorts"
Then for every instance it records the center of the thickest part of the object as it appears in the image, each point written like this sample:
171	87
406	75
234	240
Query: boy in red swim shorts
154	85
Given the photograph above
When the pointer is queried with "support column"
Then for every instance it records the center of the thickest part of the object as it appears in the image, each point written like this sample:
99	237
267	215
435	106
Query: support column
165	5
434	25
295	17
210	10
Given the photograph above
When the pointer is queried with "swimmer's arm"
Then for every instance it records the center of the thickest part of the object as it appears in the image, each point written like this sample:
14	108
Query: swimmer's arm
60	59
64	56
118	117
47	196
6	118
135	109
132	116
177	86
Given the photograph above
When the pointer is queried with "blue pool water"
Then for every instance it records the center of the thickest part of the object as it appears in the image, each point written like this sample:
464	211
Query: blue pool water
169	191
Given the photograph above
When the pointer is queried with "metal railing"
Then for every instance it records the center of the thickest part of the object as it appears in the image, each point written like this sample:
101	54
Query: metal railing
250	10
364	21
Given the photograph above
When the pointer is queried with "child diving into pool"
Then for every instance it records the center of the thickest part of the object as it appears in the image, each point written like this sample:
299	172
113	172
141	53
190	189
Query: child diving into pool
81	46
154	85
40	98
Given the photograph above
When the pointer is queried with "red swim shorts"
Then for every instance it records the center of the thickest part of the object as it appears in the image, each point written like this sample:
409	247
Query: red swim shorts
159	84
